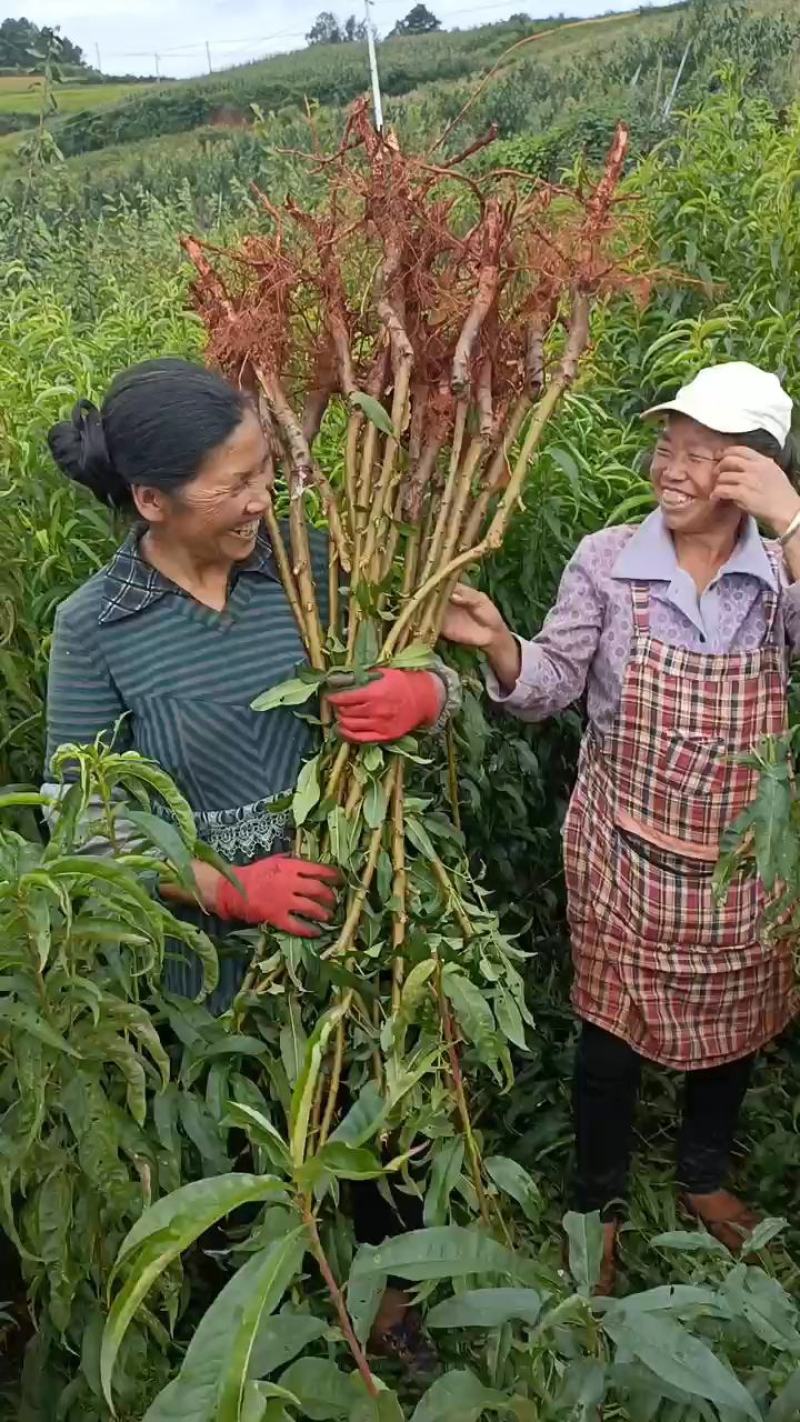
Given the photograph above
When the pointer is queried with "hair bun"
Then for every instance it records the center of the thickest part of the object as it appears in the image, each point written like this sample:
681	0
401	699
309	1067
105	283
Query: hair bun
79	448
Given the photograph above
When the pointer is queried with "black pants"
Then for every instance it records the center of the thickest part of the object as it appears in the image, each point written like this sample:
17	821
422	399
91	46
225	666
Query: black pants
606	1088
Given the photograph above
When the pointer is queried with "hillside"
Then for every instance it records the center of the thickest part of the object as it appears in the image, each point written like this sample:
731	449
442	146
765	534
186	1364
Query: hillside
323	74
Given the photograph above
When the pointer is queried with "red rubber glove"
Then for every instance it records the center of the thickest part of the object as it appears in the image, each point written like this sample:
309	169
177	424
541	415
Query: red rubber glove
392	706
292	895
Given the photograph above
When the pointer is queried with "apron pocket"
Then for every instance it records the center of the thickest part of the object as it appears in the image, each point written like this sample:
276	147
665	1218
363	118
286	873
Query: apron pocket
667	903
695	767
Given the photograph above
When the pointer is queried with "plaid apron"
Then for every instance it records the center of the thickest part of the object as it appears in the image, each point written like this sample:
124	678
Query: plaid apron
687	982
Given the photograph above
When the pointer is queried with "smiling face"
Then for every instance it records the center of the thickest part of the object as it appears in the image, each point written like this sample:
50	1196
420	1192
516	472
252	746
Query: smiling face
215	517
684	471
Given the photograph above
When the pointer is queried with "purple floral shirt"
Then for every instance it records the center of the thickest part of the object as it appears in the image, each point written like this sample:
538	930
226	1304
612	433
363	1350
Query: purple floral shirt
585	642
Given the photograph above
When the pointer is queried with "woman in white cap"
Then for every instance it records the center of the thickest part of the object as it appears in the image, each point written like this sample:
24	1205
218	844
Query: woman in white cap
679	631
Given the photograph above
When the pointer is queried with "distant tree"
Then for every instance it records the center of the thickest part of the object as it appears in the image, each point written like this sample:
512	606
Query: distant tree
519	19
21	41
354	29
419	21
325	30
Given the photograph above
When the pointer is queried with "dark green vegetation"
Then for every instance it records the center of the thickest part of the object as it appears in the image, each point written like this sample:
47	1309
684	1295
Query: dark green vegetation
89	286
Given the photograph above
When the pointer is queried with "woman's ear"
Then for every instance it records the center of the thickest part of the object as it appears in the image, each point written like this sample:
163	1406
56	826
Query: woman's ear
150	503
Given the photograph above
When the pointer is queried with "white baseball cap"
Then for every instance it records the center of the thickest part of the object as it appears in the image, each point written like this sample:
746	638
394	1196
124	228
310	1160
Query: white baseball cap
735	398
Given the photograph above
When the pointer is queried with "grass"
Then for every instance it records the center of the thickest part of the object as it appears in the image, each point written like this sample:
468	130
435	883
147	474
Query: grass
21	94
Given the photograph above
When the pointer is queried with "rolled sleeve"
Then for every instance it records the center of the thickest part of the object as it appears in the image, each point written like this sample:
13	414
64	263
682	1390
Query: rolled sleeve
555	664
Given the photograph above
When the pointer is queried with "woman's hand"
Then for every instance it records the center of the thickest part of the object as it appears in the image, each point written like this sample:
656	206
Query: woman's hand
394	705
758	486
472	620
292	895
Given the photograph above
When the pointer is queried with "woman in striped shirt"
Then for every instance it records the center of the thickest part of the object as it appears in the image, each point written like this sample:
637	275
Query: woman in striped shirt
166	647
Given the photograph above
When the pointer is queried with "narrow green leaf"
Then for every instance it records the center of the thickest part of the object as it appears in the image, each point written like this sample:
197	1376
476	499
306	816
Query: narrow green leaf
349	1162
374	412
375	804
448	1158
286	693
276	1268
364	1119
323	1391
303	1094
280	1338
585	1236
159	1236
24	1019
513	1179
486	1308
447	1252
458	1397
307	793
681	1360
261	1131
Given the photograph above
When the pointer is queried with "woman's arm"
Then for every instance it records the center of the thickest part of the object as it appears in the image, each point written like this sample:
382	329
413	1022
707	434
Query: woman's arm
537	678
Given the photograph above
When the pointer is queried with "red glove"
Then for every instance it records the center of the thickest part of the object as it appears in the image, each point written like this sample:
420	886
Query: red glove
392	706
292	895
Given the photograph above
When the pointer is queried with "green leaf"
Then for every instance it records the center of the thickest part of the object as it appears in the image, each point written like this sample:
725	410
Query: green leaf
261	1131
681	1360
307	793
349	1162
293	1041
303	1094
763	1234
277	1267
691	1242
323	1391
585	1236
417	656
374	412
486	1308
166	838
286	693
448	1158
513	1179
193	1396
446	1252
458	1397
474	1016
159	1236
364	1119
383	1408
280	1338
25	1019
364	1294
786	1407
419	837
375	804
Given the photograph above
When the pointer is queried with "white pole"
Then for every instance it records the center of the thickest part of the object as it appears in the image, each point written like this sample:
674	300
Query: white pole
373	69
208	57
158	71
99	65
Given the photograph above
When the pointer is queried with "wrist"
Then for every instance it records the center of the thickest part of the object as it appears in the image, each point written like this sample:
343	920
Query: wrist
785	516
209	882
505	657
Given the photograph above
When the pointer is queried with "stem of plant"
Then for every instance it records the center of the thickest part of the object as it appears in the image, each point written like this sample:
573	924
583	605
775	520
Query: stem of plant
473	1154
337	1298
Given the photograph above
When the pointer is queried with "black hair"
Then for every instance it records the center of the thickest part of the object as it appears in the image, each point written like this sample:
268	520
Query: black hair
763	443
158	422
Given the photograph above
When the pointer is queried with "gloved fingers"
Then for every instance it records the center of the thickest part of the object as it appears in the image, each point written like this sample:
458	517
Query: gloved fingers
357	700
372	735
311	909
299	928
313	890
309	869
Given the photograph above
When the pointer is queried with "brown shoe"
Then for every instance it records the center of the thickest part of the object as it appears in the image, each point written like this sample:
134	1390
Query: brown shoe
397	1334
607	1280
727	1218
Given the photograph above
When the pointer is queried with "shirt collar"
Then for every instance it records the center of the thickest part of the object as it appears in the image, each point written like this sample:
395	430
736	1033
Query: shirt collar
131	584
649	556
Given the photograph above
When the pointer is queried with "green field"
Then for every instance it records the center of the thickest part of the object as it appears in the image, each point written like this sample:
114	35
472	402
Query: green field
23	95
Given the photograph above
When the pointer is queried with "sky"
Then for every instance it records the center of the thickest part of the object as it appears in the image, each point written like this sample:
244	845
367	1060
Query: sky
130	34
